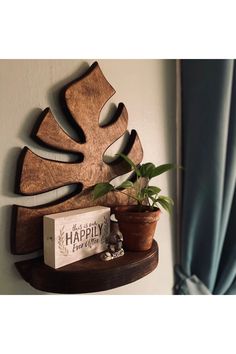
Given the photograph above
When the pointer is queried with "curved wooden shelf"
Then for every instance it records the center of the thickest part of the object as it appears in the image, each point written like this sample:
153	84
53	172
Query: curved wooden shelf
90	274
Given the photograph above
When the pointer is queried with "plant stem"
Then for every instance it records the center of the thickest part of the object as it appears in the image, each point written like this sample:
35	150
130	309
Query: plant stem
129	196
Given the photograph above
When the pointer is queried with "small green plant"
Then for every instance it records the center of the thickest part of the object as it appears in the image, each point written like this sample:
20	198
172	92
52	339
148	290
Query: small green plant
140	190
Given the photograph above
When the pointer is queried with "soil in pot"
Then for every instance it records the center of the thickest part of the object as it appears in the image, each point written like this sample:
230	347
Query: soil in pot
137	227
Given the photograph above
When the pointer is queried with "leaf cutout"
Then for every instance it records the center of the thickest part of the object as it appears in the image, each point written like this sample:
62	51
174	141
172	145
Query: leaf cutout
50	133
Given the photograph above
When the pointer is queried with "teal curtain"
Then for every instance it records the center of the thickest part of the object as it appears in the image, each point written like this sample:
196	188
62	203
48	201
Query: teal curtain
208	233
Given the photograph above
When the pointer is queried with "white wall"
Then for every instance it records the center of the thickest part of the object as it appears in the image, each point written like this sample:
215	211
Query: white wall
147	87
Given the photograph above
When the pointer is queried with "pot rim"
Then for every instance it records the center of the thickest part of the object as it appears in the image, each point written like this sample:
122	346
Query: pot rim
131	209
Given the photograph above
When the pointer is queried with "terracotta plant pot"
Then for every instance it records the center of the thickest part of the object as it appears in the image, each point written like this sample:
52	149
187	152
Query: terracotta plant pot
137	227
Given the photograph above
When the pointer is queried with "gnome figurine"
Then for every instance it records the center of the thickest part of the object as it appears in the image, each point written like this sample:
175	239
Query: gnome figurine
114	249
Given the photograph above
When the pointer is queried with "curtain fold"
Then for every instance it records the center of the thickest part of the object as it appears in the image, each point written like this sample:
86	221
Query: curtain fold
208	235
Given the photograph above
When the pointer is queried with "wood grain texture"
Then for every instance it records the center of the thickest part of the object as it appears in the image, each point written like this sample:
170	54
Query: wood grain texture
49	132
38	175
90	274
85	99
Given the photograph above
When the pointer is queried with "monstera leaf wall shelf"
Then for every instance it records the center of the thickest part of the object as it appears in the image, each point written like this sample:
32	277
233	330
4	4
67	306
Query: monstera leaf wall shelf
82	101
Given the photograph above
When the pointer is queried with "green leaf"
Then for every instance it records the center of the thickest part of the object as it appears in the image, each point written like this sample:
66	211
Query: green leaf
125	185
147	169
165	202
161	169
152	190
153	199
168	199
101	189
131	163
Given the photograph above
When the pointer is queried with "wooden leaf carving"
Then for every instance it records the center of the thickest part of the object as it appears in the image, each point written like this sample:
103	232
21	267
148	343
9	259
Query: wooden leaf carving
84	99
49	132
40	175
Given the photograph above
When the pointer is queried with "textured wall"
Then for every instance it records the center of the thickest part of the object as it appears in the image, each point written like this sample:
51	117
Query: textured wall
147	87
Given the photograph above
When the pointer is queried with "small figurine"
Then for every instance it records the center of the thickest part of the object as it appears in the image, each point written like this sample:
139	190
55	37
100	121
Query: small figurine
114	249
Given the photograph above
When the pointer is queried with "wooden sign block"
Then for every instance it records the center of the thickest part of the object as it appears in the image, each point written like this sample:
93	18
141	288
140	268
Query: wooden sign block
74	235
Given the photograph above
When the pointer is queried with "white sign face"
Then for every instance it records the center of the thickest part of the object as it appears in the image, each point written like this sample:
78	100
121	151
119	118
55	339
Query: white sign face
74	235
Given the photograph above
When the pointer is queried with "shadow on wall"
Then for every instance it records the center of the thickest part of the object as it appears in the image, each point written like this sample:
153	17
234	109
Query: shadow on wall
7	189
27	127
9	174
169	72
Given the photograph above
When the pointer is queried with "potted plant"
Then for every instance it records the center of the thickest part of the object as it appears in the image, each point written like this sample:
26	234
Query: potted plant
138	222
